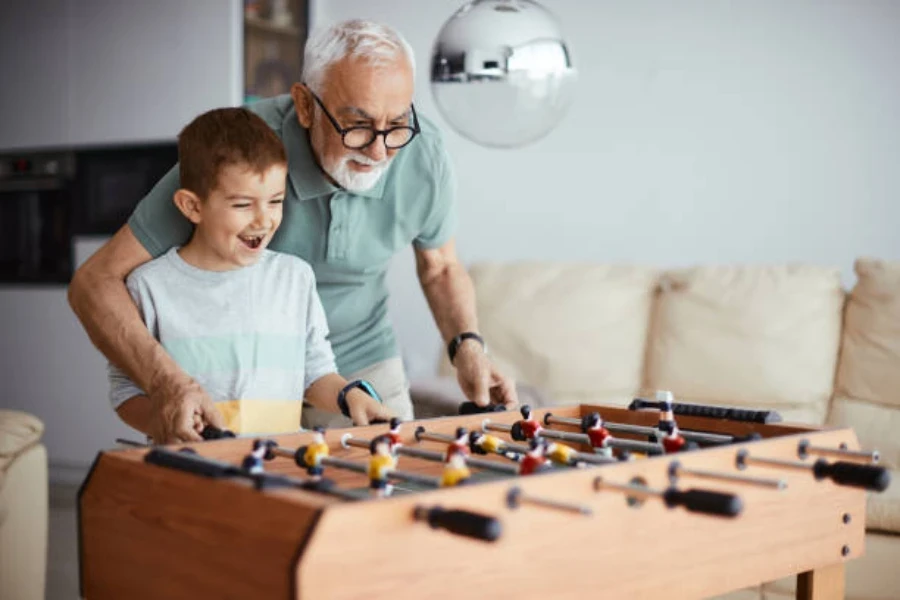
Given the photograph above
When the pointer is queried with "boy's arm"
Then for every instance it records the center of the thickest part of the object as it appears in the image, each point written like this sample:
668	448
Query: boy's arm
321	380
364	408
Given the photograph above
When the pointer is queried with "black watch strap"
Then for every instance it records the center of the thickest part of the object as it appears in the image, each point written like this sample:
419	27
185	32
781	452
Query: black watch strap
454	344
359	383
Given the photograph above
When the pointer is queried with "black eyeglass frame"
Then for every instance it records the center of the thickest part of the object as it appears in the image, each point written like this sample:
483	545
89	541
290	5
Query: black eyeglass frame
343	131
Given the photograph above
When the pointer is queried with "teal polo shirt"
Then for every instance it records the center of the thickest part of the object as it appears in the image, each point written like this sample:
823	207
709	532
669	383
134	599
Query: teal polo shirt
347	237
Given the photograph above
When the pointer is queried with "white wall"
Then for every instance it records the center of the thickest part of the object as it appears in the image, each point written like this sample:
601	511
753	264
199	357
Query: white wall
75	72
747	131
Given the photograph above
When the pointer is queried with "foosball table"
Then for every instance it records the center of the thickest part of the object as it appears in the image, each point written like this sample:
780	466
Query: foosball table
658	499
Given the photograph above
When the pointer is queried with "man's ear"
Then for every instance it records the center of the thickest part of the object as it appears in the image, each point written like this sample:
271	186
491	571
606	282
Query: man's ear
189	205
302	104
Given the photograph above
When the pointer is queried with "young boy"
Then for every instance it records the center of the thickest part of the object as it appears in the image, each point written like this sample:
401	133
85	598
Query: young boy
243	321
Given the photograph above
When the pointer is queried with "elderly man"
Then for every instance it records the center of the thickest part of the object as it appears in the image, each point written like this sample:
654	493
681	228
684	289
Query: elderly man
367	176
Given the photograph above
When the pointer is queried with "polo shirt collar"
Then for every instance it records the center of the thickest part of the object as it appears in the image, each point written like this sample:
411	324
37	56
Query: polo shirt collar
307	177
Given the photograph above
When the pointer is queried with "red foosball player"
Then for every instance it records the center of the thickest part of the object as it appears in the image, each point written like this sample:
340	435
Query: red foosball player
381	463
535	459
455	471
394	435
671	439
314	453
526	428
598	435
460	445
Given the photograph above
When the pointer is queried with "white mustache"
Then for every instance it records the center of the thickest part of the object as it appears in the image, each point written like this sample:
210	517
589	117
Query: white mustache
365	160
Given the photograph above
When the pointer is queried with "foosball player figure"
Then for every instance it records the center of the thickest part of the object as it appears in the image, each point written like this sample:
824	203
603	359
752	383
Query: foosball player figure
455	471
535	459
598	435
394	435
459	445
381	463
671	439
483	443
253	462
526	428
315	452
561	454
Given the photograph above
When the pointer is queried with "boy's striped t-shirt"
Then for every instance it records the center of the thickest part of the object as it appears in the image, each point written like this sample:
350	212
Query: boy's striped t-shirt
254	338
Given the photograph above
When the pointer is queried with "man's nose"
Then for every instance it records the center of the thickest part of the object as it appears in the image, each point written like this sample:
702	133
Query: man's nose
376	150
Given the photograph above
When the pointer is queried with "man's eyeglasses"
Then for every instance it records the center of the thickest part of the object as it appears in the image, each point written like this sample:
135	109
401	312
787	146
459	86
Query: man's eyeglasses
358	137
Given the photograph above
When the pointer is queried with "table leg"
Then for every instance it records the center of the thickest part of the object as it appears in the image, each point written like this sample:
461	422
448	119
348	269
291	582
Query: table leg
826	583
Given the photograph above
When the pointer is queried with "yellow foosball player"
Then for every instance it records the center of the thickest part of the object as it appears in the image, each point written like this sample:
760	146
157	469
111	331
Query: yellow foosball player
483	443
455	471
560	454
314	453
381	463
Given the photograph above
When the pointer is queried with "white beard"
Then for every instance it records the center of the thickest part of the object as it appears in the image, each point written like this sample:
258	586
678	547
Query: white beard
357	181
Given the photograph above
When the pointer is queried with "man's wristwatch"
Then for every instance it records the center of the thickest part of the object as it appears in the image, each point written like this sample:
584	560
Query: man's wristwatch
454	344
359	383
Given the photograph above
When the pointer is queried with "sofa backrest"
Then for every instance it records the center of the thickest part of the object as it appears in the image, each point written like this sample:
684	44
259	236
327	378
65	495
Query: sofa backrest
755	336
575	331
867	390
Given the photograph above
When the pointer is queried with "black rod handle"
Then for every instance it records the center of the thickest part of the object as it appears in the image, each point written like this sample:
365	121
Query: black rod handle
470	408
869	477
190	463
704	501
460	522
214	433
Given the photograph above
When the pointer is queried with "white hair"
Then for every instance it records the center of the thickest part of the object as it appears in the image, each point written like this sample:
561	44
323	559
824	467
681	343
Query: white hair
378	44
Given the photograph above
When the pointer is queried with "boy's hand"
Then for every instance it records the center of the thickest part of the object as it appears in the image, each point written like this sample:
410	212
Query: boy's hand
364	408
181	411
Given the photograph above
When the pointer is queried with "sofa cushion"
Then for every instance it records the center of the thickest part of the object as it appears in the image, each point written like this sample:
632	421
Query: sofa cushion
571	330
18	432
867	390
752	336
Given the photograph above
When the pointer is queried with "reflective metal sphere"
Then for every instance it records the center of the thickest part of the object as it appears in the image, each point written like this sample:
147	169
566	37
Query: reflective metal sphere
501	73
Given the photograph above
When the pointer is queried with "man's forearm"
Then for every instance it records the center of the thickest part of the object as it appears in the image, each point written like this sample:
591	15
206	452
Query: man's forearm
451	297
113	323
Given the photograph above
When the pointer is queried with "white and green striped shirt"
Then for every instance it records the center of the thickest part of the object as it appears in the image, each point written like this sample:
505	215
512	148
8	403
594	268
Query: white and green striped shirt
256	333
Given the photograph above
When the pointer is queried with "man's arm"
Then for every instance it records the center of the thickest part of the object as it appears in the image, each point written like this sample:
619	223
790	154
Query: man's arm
451	297
98	296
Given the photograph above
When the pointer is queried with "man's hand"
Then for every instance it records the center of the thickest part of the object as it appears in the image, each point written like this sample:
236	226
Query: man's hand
480	380
364	408
181	411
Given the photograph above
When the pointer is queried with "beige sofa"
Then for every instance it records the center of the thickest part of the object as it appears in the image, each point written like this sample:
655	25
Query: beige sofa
23	507
784	337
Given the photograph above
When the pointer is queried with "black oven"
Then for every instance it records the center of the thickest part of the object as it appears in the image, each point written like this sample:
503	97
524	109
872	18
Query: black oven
36	217
47	198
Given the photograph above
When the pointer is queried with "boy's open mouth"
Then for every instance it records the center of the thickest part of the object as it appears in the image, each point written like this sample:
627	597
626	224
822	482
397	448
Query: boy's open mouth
251	242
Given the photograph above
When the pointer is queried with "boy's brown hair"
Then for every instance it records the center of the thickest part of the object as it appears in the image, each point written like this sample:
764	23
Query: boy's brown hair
223	137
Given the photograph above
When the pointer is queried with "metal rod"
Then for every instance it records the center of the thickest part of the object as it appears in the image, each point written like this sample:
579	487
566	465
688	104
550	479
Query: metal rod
631	489
125	442
677	470
804	448
777	462
585	457
693	436
515	497
473	461
582	438
349	465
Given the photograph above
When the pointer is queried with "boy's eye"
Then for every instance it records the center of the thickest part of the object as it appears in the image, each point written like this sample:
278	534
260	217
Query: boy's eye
240	205
276	201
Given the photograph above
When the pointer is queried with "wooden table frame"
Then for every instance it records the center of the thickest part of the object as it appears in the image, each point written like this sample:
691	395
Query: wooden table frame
147	531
